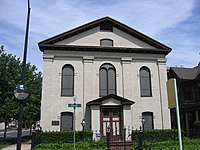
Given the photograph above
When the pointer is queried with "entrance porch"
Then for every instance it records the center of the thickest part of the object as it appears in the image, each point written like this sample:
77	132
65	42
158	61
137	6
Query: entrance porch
112	113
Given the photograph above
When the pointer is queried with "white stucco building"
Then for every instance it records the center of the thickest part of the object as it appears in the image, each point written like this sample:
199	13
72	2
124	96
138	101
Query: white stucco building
116	73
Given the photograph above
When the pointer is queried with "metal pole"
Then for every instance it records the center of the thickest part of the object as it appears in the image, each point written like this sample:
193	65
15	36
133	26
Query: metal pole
19	133
74	127
178	116
21	105
25	45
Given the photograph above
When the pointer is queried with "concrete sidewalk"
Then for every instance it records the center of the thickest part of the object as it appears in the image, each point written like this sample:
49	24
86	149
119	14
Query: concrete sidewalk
24	146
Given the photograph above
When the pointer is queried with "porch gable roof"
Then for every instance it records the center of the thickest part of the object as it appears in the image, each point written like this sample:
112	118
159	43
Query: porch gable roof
99	101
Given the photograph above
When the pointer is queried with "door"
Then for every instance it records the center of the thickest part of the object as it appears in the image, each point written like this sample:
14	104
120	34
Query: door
111	118
66	121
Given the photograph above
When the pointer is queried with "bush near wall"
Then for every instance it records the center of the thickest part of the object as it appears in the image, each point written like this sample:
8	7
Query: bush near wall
188	144
157	134
65	137
83	145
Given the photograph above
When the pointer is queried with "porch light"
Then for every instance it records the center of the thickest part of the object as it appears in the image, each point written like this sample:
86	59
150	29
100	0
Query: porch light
143	122
83	124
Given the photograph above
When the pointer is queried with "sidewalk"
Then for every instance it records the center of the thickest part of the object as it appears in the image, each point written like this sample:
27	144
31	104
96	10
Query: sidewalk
24	146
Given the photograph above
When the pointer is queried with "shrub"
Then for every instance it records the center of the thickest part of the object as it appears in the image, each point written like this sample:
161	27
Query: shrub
157	135
188	144
82	145
65	137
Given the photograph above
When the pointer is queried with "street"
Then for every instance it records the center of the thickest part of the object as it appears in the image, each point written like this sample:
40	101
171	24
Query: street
13	133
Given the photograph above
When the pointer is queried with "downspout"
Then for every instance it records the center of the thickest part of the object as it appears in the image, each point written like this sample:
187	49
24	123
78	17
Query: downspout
122	78
83	88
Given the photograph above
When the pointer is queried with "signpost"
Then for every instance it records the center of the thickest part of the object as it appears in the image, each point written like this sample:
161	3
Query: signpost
74	105
173	103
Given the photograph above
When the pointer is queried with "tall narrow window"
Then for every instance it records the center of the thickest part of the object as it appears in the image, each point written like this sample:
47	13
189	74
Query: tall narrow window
107	80
145	82
67	81
66	121
106	42
148	120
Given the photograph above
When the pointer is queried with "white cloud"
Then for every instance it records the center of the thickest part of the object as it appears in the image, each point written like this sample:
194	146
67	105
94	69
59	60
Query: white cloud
164	20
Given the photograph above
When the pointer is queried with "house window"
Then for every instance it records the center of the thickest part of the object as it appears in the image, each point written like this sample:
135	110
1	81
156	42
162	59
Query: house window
148	117
197	91
67	81
106	42
66	121
55	123
107	80
188	92
145	82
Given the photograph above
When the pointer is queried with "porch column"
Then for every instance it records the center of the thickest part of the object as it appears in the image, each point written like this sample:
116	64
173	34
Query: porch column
187	124
197	115
95	119
127	120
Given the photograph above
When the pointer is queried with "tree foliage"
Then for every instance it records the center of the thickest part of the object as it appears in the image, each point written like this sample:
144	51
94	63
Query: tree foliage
10	77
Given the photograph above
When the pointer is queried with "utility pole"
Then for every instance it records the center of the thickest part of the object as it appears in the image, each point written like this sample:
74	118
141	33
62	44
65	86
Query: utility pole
21	102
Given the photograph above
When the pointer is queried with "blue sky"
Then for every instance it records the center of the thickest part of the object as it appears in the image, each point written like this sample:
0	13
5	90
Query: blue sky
175	23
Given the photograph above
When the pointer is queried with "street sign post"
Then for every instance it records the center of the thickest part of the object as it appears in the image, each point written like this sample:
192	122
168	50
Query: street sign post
74	105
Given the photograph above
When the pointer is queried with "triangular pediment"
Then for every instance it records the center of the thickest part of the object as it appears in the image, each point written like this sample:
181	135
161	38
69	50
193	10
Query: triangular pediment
88	36
110	100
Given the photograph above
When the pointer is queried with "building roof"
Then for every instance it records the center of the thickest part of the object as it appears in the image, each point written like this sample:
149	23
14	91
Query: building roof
50	42
99	101
187	73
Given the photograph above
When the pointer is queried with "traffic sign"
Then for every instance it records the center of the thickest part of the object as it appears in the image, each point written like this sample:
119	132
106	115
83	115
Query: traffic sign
74	105
21	92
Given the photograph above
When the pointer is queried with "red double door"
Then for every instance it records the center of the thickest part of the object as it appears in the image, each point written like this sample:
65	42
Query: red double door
112	120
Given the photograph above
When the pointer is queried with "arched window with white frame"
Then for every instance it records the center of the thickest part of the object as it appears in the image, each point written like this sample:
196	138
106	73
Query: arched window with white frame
67	86
107	80
145	82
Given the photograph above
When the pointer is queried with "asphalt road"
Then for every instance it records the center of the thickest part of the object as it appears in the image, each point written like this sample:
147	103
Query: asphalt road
13	133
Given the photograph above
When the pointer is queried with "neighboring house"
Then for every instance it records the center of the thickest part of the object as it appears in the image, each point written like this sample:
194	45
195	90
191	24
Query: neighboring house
188	87
116	73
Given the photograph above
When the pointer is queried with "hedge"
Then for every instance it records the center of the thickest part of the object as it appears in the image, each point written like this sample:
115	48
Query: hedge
188	144
83	145
157	134
65	137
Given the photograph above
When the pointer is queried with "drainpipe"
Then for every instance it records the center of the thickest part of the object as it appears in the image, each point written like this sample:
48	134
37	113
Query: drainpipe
83	88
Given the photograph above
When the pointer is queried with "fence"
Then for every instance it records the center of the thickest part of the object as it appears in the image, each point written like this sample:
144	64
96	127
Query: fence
35	138
194	133
124	142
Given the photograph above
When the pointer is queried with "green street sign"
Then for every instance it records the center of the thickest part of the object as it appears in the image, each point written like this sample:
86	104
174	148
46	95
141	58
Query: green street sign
74	105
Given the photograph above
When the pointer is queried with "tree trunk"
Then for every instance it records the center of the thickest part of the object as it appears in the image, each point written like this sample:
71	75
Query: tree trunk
5	128
30	127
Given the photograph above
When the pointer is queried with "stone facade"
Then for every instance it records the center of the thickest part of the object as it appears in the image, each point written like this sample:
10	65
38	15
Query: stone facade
87	64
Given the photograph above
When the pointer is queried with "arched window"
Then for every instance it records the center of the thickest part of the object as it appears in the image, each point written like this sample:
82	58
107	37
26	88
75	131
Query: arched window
148	120
145	82
107	80
67	88
66	121
106	42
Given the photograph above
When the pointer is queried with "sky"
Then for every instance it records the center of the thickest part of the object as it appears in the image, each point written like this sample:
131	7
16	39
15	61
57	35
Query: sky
175	23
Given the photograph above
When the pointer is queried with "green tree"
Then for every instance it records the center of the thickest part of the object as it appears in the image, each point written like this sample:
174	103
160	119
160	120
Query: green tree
33	102
10	77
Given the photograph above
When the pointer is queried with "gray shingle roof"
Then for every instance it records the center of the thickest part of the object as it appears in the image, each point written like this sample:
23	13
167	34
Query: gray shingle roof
187	73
